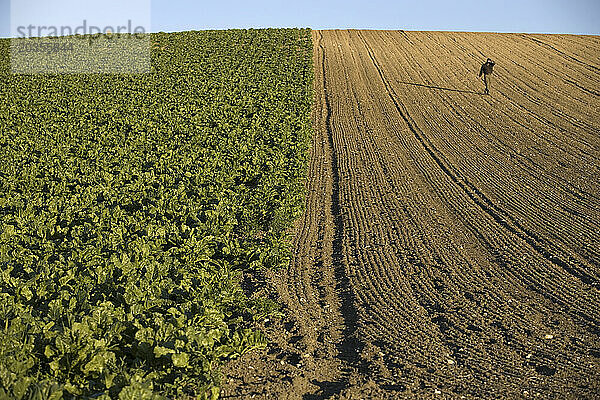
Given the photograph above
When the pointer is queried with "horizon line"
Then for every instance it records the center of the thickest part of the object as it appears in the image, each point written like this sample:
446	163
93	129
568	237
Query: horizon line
348	29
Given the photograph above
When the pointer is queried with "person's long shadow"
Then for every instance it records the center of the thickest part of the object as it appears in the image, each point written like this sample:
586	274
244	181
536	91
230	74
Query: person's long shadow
441	88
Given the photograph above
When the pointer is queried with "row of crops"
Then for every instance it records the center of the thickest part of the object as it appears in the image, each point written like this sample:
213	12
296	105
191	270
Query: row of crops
129	204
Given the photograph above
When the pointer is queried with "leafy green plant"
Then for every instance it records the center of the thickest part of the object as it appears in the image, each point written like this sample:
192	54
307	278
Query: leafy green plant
129	204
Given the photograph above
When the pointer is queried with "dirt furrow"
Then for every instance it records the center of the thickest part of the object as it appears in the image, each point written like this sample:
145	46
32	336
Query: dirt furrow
313	353
449	244
551	206
480	199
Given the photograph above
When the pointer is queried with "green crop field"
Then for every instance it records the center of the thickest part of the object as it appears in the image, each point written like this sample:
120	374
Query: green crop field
129	204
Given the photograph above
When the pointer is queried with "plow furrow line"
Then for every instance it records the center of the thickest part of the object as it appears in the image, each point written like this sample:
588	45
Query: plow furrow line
482	201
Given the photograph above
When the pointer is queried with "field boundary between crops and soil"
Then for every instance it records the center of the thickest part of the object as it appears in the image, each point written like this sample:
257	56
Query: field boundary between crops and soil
447	243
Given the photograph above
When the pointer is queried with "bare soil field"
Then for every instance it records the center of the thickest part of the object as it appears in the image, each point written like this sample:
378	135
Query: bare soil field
450	246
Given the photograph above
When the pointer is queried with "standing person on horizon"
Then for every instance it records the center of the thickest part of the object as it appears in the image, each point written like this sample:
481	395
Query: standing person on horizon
486	69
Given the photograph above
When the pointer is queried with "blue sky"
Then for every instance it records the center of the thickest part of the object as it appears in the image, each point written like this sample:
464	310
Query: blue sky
552	16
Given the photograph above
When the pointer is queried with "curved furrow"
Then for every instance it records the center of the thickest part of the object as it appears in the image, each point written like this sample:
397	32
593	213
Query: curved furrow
557	199
531	74
590	67
499	216
473	113
427	289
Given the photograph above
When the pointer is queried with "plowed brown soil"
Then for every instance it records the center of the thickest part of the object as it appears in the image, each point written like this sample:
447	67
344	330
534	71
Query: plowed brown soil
450	246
